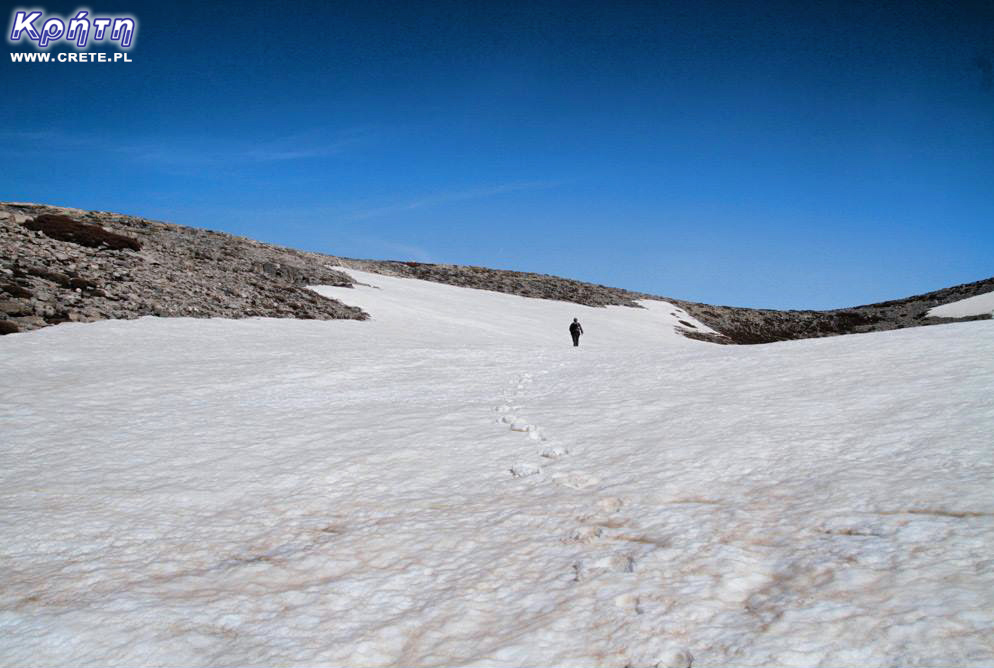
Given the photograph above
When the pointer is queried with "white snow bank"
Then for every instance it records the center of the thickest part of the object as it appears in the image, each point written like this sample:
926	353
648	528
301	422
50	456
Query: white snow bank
978	305
427	313
276	492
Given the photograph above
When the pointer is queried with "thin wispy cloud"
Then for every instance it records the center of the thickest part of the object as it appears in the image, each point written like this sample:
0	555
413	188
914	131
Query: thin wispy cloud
451	197
300	146
276	154
193	153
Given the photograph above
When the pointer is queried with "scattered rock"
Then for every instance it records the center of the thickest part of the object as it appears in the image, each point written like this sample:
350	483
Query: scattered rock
78	283
16	307
15	290
65	228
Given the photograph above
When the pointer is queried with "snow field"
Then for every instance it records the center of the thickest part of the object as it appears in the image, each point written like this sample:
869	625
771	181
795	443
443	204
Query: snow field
451	483
977	305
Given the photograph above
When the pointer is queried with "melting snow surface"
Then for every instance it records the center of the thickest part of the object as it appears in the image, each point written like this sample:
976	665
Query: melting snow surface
452	483
977	305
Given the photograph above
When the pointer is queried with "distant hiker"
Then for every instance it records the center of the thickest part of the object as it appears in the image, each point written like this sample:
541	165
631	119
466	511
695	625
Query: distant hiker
575	330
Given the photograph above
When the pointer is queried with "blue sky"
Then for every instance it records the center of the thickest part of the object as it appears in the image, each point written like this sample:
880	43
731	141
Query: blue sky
785	155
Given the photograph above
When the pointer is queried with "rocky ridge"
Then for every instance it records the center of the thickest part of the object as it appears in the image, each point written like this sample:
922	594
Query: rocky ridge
176	271
737	325
749	326
525	284
75	270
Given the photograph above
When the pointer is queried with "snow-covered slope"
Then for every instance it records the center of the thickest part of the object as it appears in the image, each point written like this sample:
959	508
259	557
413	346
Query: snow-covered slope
978	305
424	313
452	483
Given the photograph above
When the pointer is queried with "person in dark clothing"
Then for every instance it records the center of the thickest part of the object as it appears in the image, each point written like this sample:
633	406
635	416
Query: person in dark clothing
575	330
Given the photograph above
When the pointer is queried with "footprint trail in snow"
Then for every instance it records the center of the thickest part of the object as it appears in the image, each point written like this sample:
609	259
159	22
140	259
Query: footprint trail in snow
591	537
506	411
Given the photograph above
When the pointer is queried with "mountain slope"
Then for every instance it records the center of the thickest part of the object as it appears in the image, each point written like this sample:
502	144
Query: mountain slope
181	271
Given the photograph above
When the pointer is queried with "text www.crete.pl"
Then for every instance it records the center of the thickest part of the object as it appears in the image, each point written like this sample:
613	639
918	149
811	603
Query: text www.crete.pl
70	57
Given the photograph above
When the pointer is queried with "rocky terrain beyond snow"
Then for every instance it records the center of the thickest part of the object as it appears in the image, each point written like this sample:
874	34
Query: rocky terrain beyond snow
168	270
59	264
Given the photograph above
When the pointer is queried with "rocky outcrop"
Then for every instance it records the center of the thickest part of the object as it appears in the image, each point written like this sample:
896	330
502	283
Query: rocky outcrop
746	326
64	228
59	264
